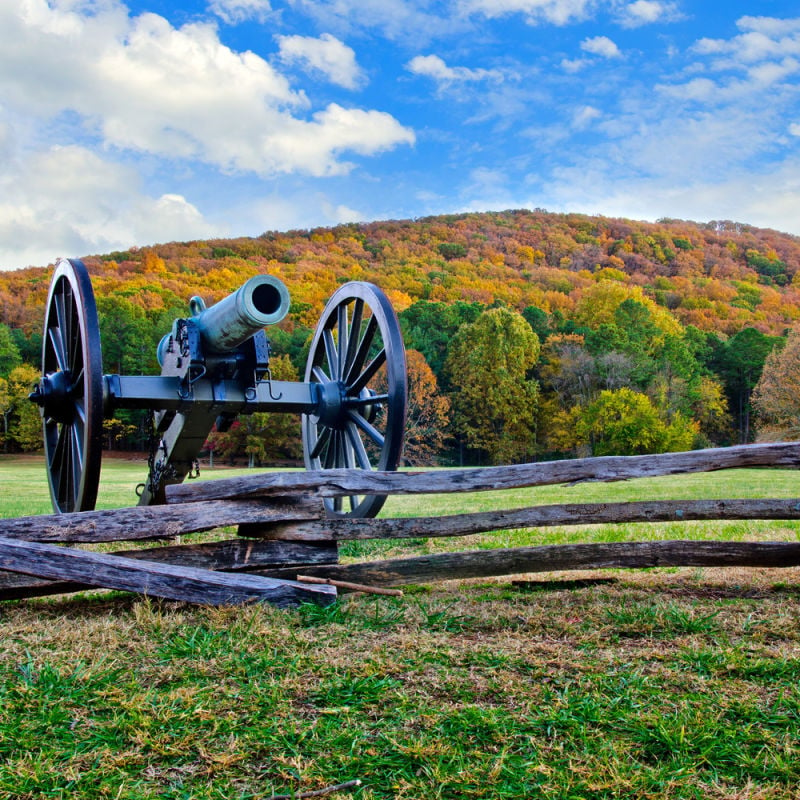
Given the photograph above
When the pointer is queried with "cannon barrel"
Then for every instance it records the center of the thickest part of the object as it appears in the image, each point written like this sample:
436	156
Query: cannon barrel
261	301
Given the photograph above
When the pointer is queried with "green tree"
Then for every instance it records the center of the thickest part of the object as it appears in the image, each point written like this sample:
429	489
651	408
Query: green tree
9	352
6	408
494	399
128	338
23	420
625	422
739	362
430	327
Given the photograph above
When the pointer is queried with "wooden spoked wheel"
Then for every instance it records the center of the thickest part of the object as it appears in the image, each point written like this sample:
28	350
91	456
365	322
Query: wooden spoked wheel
358	363
70	393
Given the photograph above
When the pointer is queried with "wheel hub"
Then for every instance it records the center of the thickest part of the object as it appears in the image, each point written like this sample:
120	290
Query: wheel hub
331	399
54	394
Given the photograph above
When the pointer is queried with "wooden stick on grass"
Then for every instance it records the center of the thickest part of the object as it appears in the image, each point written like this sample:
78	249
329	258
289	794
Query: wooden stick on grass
353	587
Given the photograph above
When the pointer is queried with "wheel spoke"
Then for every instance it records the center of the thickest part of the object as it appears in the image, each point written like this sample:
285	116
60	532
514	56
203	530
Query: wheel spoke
76	442
341	324
355	330
330	352
57	345
322	441
358	446
372	400
64	468
368	374
367	427
363	350
320	375
329	461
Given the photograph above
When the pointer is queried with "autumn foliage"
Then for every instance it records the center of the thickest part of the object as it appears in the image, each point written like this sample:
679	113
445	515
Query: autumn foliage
532	327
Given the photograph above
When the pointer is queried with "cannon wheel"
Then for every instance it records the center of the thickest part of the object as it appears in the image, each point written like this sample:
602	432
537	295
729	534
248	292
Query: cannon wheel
71	390
358	360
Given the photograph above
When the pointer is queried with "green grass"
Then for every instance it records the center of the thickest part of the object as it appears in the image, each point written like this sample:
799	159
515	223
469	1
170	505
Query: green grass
658	684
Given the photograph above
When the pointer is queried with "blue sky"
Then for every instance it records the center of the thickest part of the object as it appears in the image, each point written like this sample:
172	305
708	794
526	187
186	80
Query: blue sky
131	123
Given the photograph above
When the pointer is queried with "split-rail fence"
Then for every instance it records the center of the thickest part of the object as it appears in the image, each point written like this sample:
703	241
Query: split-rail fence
284	536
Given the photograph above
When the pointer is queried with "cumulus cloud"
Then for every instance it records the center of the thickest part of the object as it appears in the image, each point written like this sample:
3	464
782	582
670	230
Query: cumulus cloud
601	46
436	68
765	55
762	38
794	129
326	55
66	200
647	12
174	92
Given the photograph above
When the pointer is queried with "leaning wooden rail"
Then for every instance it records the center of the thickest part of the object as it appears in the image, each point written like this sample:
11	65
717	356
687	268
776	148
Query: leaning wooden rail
284	533
343	482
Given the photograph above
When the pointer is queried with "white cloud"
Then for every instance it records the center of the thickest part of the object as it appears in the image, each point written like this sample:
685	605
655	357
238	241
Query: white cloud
143	85
770	26
697	89
334	59
436	68
767	56
556	12
316	144
763	38
67	201
794	129
584	116
235	11
601	46
647	12
573	65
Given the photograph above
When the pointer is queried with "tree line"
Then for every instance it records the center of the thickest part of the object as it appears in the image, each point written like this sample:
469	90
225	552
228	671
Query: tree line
530	334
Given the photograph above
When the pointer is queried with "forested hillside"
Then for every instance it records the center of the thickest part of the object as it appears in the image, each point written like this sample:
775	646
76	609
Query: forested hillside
532	334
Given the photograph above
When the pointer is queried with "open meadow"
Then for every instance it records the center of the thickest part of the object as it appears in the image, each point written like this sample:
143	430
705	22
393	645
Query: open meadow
663	683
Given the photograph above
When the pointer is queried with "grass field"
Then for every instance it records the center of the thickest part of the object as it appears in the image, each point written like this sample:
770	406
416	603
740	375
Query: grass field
672	683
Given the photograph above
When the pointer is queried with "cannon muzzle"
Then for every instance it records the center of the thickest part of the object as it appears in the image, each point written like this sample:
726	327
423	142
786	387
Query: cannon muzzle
263	300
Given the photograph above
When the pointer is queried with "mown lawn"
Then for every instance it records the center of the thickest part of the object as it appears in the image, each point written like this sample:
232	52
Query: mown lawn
675	683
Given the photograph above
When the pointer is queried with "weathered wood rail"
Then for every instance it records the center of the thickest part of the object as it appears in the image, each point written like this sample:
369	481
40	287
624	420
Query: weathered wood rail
283	532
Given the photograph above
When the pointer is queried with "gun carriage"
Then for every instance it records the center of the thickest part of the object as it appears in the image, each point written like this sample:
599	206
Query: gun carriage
215	366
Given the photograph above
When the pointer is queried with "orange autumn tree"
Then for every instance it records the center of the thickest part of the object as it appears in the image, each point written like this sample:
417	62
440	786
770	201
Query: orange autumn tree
776	397
428	413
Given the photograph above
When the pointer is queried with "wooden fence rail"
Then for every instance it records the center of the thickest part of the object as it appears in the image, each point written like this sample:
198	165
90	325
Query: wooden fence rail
283	531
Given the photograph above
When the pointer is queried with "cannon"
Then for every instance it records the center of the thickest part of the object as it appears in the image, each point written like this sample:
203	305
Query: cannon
215	366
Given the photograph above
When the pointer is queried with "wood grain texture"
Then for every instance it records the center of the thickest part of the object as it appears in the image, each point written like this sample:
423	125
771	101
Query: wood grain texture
343	482
187	584
550	558
533	517
157	522
229	555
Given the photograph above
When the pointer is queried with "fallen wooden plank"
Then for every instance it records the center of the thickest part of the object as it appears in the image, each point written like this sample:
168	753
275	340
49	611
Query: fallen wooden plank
552	558
351	587
229	555
533	517
343	482
186	584
157	522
